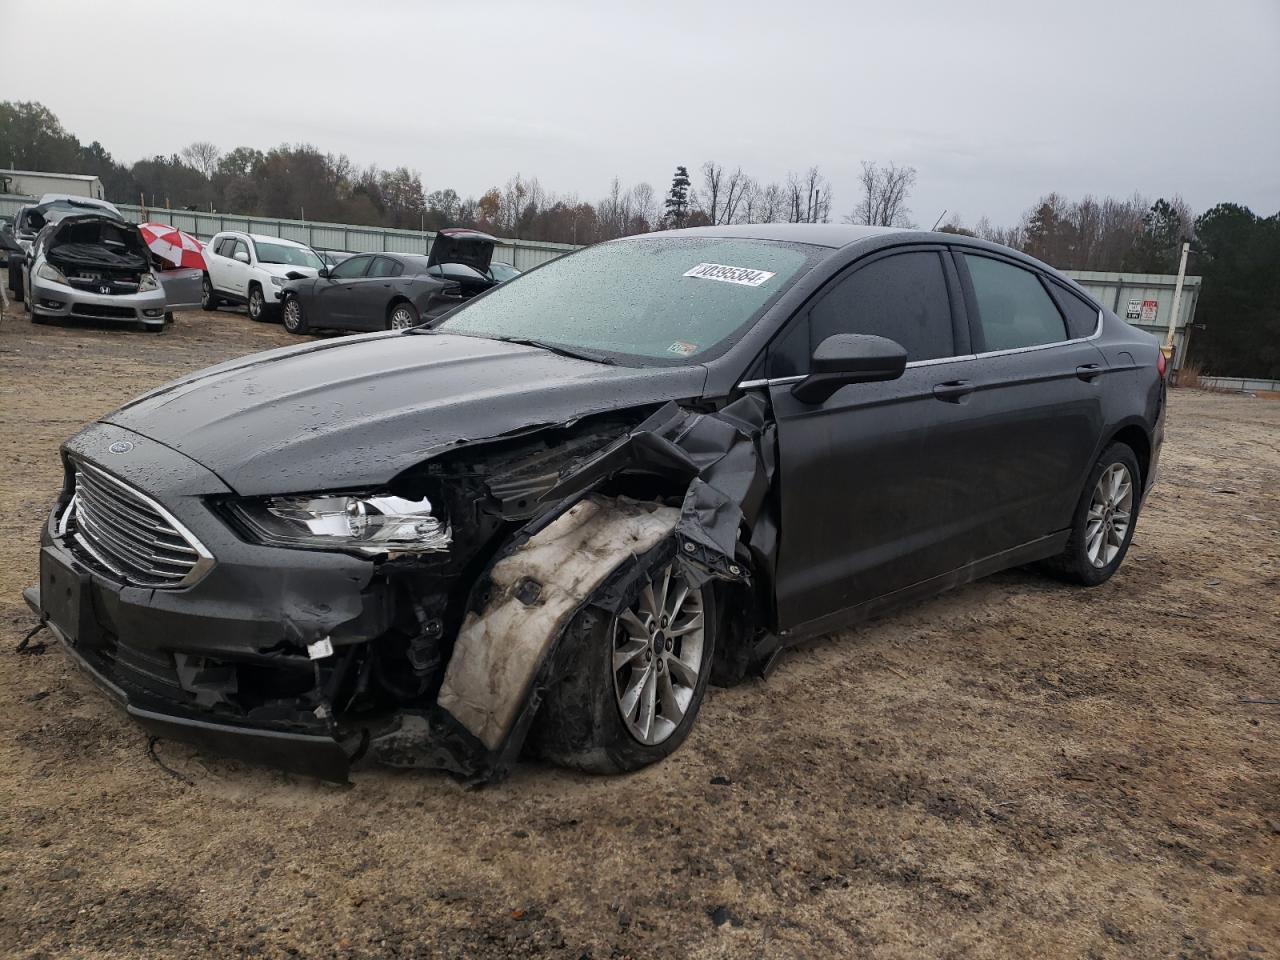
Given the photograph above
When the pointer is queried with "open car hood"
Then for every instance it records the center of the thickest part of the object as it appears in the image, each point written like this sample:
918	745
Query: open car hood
75	244
468	247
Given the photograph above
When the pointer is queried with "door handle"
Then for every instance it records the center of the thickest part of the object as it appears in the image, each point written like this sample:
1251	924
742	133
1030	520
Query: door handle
1088	371
953	391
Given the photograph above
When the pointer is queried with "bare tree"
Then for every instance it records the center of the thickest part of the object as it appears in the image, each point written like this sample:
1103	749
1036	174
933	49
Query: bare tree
712	184
884	195
203	156
808	196
644	207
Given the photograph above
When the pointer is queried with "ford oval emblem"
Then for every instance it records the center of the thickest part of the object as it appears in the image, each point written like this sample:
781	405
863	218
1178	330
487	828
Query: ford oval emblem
121	446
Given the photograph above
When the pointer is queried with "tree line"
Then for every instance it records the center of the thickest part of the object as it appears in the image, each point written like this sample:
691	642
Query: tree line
1235	250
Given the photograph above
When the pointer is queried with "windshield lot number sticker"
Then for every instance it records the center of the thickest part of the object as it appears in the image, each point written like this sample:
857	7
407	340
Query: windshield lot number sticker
743	276
682	349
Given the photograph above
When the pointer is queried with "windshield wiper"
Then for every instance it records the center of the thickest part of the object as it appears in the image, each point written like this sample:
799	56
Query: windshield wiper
556	348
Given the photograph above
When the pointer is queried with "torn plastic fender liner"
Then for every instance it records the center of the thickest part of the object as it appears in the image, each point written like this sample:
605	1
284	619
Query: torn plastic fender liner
535	590
551	570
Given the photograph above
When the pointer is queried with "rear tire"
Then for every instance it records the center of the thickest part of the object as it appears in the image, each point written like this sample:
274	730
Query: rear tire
623	706
208	299
15	282
1103	523
402	316
291	316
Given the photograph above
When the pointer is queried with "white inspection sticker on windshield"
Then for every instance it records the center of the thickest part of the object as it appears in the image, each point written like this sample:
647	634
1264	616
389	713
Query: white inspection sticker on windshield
744	276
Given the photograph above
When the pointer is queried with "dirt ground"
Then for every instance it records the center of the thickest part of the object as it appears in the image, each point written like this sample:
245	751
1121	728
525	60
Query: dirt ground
1018	768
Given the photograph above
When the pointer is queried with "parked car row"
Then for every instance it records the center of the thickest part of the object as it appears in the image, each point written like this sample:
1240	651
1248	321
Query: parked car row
78	257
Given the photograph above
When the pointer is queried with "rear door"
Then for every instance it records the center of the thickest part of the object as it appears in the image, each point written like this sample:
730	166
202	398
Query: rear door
1037	391
875	480
372	294
334	294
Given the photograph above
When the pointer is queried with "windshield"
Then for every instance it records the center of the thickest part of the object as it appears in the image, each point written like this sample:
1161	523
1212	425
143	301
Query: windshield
669	298
292	256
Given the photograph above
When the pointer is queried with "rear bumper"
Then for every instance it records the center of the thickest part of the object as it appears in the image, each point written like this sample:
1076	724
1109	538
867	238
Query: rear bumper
315	755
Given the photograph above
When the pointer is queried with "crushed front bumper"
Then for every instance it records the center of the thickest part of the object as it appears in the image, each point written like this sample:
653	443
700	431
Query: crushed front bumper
57	300
313	754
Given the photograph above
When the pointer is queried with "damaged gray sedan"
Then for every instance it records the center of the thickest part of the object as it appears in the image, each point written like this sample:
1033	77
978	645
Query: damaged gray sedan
548	522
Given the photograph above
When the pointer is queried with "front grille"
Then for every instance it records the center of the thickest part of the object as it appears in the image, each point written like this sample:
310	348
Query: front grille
98	310
131	535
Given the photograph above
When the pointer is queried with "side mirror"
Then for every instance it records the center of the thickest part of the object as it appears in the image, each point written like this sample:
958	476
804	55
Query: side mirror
850	358
242	256
323	273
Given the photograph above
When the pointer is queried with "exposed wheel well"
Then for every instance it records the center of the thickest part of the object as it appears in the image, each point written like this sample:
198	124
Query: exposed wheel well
395	302
1136	439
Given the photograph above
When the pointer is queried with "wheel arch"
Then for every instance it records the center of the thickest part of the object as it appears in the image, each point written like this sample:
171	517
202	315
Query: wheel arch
1137	437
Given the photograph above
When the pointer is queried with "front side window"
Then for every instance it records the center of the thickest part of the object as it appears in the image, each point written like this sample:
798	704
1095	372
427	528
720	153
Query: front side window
1014	309
350	268
240	247
650	298
902	297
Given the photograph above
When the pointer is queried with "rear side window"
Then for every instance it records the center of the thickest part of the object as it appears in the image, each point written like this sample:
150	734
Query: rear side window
385	267
1082	316
902	297
1014	309
226	247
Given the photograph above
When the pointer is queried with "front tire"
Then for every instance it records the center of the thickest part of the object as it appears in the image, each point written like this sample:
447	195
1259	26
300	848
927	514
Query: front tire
292	317
1103	523
635	681
208	299
257	304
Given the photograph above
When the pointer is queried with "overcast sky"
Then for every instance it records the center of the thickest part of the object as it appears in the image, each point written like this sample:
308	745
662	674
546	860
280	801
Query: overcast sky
994	103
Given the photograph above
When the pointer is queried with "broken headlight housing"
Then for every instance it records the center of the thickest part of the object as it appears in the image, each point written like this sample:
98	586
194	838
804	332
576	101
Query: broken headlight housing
147	282
370	524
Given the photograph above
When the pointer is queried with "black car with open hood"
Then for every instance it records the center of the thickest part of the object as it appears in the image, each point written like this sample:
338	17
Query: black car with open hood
548	522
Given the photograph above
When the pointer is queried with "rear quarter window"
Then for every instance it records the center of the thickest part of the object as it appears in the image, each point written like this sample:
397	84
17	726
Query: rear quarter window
1082	316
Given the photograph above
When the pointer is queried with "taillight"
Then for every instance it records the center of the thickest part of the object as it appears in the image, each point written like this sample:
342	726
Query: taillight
1161	363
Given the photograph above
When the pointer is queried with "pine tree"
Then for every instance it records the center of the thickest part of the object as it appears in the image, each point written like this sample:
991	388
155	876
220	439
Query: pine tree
677	202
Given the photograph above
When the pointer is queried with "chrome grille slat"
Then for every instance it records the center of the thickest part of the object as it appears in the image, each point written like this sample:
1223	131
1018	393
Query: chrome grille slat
122	553
130	535
121	524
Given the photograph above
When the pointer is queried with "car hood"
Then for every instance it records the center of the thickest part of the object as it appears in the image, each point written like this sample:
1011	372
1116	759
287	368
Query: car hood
284	269
356	412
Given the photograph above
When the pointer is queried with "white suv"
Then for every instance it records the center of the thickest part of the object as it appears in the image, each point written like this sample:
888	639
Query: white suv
251	269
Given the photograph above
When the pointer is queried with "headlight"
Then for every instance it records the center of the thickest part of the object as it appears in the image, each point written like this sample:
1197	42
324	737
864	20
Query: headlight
370	524
147	282
48	271
279	281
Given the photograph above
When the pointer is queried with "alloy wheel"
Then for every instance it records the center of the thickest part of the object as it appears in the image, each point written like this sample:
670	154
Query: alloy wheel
1110	514
402	318
657	656
292	314
206	294
255	303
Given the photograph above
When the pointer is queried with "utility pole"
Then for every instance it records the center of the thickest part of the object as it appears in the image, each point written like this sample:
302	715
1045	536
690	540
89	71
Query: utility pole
1177	301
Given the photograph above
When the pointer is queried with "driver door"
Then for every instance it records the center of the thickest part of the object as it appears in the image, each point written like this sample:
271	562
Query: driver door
874	480
335	294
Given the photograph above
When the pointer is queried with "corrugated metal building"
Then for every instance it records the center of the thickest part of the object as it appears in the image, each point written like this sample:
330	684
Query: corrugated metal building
1146	301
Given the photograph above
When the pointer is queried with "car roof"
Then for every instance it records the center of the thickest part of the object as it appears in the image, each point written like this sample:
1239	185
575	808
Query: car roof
261	237
818	234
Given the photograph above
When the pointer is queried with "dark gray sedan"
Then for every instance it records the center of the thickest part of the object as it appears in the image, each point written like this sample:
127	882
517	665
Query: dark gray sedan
370	291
